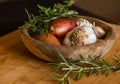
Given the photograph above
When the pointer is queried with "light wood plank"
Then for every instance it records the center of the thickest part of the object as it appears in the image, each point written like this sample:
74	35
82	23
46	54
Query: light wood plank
19	66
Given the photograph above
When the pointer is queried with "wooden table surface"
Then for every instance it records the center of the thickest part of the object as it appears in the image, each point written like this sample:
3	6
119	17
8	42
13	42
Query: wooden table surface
19	66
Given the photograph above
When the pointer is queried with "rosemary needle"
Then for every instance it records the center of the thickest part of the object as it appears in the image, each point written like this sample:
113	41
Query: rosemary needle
65	68
40	23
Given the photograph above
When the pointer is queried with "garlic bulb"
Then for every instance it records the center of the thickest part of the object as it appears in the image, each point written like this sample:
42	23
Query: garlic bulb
75	37
83	34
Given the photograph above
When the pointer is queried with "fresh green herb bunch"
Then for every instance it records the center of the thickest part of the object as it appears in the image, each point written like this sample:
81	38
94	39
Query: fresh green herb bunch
75	69
39	24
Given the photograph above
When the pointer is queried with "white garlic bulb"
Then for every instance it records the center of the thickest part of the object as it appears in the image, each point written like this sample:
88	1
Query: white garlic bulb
86	26
83	34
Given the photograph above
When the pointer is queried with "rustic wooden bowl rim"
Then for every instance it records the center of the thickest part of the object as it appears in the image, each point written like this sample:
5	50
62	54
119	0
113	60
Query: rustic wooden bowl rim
110	36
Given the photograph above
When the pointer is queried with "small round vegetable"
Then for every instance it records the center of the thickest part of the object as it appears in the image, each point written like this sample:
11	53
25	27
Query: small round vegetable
80	35
61	26
47	38
99	32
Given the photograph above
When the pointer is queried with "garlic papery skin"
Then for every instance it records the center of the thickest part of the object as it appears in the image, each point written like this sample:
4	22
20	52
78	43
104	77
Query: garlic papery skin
86	26
80	35
91	35
99	32
83	22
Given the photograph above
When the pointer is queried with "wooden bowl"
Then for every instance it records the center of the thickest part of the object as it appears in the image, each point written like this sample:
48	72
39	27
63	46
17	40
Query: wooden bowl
49	52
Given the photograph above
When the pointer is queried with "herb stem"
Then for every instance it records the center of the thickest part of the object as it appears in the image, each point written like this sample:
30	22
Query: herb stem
70	68
78	68
40	24
66	75
85	68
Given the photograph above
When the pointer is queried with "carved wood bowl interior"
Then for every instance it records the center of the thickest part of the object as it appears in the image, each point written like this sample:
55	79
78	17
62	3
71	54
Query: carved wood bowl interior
49	52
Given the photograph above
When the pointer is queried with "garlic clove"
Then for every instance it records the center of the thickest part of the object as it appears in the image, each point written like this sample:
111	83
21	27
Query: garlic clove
99	32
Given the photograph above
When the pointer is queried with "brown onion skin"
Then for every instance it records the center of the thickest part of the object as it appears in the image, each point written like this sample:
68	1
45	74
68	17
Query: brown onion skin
47	38
61	26
72	22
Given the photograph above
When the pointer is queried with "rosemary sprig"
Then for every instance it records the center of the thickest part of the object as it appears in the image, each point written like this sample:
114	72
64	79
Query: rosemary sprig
65	69
39	24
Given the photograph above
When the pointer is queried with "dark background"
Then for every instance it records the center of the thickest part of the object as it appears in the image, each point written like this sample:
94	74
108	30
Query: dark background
12	13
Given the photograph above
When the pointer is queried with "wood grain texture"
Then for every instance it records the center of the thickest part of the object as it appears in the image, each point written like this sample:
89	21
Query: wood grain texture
19	66
49	52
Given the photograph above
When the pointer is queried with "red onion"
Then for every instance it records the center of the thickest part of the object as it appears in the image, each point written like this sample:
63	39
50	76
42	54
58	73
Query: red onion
61	26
